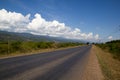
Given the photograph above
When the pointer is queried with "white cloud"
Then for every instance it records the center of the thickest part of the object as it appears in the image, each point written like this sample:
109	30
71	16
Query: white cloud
96	36
110	37
16	22
12	21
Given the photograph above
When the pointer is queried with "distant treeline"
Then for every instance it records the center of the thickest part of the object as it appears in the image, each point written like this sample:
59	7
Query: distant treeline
28	46
113	47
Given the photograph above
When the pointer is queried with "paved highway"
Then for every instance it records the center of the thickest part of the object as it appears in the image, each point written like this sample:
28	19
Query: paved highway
57	65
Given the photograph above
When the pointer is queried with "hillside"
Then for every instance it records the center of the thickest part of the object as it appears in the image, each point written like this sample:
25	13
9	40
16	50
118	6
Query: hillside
13	36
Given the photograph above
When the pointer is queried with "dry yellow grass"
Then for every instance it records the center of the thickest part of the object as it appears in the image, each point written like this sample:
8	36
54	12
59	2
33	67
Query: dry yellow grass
32	52
110	66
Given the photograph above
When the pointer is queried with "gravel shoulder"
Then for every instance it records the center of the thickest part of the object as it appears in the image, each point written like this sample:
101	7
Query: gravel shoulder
92	69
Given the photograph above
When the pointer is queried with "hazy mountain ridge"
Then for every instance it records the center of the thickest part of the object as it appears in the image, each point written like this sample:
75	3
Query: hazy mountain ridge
14	36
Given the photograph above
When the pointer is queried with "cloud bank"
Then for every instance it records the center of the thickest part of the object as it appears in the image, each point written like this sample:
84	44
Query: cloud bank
17	22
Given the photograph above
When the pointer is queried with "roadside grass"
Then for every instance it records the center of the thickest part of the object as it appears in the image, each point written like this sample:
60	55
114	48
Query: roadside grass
113	47
110	66
106	71
18	53
17	48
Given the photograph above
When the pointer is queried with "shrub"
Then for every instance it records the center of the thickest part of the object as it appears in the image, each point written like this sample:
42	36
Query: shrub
113	47
27	46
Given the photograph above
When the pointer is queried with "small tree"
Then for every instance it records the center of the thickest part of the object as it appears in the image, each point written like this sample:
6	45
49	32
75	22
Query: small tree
87	43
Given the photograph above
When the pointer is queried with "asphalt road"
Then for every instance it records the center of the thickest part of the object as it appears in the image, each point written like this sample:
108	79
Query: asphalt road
56	65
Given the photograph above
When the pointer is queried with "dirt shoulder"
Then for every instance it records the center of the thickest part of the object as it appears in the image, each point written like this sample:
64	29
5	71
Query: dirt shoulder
110	66
92	69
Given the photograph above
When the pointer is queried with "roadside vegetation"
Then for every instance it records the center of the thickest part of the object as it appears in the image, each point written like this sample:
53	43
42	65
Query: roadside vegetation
113	47
18	47
109	58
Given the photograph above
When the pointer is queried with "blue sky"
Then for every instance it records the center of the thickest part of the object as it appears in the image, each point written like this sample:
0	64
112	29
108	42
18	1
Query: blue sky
97	16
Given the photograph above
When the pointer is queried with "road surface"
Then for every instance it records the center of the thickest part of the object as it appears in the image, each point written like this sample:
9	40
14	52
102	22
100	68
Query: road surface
57	65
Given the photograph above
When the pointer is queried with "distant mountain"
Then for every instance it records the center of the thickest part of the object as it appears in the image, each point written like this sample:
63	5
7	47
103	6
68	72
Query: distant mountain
14	36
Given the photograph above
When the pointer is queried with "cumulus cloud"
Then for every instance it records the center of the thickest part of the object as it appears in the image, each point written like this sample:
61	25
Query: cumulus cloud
17	22
96	36
110	37
12	21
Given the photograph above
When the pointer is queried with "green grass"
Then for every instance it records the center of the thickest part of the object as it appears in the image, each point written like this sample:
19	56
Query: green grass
113	47
17	47
109	59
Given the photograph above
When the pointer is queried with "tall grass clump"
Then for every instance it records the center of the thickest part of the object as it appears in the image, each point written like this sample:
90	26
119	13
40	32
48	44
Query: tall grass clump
28	46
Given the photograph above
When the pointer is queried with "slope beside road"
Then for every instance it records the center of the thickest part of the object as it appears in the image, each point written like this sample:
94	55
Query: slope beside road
78	63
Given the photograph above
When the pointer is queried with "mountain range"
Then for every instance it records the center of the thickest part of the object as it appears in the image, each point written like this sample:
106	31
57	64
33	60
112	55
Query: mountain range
15	36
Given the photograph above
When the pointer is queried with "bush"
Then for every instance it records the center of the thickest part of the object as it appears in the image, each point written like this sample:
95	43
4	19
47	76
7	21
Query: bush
27	46
113	47
3	48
